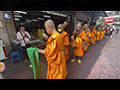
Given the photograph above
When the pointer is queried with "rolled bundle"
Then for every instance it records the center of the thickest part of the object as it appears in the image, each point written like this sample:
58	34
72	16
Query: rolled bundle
72	43
65	24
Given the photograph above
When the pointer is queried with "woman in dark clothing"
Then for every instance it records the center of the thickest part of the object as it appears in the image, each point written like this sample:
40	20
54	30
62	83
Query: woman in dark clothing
107	32
110	32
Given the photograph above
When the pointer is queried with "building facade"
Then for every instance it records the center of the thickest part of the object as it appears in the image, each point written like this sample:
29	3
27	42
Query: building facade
7	31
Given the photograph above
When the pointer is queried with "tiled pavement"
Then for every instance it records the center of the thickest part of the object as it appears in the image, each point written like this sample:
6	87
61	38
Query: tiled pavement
102	62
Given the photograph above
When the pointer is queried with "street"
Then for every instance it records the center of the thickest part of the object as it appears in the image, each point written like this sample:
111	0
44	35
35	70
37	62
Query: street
102	62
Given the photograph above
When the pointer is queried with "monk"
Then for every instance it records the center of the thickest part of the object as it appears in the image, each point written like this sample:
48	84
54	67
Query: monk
102	33
80	38
93	34
54	53
88	34
98	34
65	38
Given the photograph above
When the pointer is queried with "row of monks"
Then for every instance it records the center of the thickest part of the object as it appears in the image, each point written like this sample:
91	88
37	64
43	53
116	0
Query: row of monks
57	51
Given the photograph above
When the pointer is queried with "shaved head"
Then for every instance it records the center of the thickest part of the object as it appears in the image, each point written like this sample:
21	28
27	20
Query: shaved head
60	26
49	22
78	26
49	26
85	26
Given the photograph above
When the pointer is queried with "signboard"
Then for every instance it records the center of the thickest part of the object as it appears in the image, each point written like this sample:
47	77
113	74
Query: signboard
109	20
6	15
118	22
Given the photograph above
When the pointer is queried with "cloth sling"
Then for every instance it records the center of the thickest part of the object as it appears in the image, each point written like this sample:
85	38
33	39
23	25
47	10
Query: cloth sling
78	33
35	67
72	43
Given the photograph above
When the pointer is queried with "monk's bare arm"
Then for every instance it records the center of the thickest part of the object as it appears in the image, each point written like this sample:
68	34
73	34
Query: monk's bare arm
41	51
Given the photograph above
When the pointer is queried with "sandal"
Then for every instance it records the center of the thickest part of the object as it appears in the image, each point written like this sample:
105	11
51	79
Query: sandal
72	60
79	61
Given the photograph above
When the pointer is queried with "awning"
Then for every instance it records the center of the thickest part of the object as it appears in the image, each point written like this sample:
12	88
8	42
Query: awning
92	13
96	13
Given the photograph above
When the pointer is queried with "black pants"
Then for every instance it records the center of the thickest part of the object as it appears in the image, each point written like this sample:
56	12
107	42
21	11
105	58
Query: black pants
24	54
110	33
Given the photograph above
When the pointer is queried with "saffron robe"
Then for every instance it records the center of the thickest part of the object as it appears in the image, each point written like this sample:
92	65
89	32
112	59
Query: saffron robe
97	36
56	59
102	33
65	38
93	38
78	50
88	34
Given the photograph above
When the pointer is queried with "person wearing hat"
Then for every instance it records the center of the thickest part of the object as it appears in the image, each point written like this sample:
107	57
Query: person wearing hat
24	37
2	68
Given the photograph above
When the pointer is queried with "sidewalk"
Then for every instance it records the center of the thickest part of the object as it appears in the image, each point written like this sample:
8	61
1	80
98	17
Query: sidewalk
102	62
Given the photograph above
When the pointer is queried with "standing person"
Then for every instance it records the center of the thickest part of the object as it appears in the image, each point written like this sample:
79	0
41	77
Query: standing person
88	34
107	32
24	37
98	35
102	33
93	38
110	32
79	38
54	53
65	38
117	30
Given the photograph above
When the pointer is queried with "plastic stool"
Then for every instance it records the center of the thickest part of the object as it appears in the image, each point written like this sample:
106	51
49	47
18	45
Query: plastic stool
16	53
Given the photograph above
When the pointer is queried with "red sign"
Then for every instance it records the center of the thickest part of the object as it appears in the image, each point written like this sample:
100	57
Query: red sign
108	20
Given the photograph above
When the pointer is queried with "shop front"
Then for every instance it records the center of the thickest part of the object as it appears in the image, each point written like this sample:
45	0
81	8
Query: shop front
82	17
34	23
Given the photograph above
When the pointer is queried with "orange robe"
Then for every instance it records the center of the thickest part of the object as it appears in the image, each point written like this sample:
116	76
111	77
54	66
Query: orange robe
88	28
93	38
78	50
102	33
56	59
88	34
65	38
97	36
95	32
